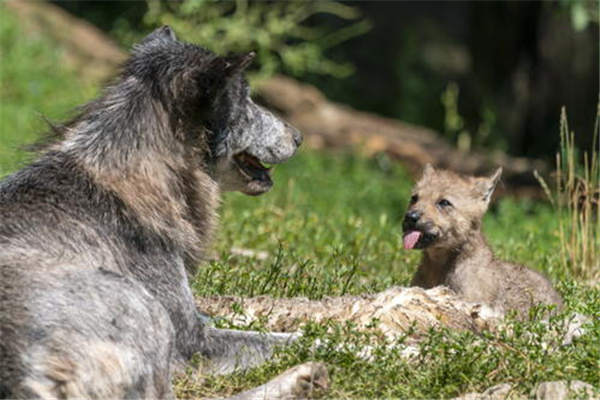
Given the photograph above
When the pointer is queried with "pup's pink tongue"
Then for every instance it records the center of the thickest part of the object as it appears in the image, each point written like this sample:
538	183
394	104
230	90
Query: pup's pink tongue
411	239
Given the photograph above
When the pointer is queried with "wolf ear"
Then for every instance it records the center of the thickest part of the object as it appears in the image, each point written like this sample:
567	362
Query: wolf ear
221	69
224	68
485	187
164	33
237	63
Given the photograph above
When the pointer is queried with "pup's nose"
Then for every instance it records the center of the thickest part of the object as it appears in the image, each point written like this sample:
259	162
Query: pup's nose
412	217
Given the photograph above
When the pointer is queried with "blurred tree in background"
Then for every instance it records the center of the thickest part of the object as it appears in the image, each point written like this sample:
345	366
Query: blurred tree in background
283	34
486	74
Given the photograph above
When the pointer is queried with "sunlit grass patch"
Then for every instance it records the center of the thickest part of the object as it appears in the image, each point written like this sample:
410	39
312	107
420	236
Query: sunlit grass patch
34	82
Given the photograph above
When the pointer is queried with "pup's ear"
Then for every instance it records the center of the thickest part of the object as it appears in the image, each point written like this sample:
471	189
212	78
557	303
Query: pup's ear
164	33
427	171
485	186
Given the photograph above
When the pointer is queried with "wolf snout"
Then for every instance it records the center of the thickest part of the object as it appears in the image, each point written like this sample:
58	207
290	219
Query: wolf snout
295	134
285	147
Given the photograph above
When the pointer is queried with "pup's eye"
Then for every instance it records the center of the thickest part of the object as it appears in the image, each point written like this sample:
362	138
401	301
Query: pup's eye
414	199
443	203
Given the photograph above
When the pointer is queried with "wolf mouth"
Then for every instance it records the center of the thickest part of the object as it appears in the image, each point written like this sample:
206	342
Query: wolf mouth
248	160
251	167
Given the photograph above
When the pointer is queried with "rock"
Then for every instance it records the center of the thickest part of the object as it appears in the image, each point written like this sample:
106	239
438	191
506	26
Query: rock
468	396
497	392
502	391
565	390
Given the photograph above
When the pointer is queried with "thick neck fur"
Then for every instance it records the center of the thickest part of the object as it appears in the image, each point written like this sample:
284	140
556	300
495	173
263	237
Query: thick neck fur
439	261
131	144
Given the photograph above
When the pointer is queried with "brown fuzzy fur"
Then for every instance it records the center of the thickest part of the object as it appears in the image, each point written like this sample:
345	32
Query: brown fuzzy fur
456	253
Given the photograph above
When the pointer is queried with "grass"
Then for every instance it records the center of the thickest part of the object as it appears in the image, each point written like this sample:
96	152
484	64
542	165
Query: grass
578	187
331	226
35	83
576	196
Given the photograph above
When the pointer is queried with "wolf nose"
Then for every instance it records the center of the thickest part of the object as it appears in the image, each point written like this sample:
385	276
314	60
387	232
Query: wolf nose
412	217
297	136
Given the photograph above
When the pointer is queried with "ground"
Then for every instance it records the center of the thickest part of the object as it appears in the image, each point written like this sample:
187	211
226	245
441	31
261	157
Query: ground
331	226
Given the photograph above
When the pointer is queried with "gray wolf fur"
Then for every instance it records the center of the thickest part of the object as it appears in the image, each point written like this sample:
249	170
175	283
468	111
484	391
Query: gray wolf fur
99	236
444	220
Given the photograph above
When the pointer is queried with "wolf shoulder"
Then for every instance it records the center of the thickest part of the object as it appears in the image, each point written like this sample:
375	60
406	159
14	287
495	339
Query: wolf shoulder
51	214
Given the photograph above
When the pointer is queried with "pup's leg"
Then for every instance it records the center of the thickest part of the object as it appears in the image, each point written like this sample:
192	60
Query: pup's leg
230	350
295	383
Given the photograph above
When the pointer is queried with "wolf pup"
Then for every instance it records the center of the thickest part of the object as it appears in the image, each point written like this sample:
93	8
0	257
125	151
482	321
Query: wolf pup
99	236
444	220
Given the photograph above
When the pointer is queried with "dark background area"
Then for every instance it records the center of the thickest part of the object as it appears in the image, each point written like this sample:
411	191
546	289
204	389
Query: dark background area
515	65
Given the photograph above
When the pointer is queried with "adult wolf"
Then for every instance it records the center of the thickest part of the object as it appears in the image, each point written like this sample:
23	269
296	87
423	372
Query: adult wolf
98	237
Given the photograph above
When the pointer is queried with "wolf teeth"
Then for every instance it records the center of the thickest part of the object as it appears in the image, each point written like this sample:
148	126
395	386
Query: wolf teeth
253	161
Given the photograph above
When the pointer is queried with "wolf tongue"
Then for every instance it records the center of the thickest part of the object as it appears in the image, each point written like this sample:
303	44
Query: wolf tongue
411	239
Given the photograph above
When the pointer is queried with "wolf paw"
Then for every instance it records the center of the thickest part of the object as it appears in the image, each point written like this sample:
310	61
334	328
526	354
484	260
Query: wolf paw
295	383
307	377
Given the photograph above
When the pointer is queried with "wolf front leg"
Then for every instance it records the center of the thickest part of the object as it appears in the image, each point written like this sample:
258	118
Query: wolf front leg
295	383
230	350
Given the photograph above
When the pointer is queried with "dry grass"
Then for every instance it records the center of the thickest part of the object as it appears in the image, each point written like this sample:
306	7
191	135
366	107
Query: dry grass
577	203
577	190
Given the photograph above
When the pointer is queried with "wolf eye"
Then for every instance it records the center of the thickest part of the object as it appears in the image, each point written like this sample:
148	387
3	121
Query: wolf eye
443	203
414	199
